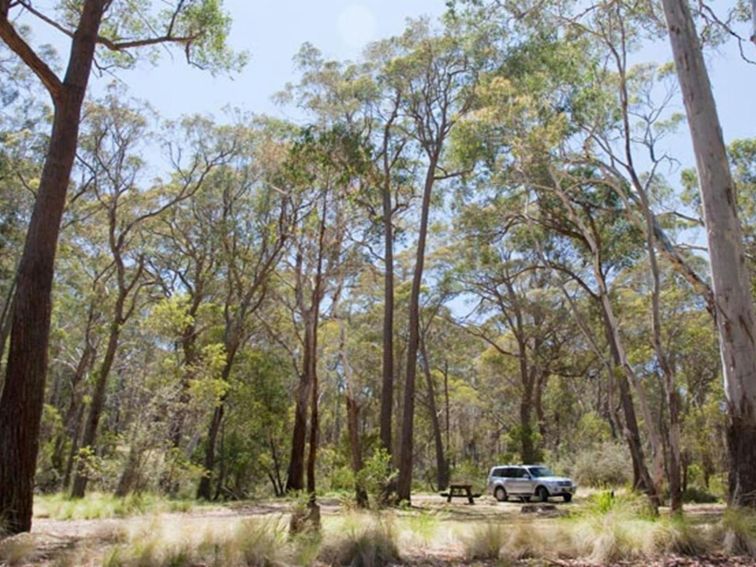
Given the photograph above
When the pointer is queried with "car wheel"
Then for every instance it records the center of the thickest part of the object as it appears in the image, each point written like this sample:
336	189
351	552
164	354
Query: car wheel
500	494
542	494
568	497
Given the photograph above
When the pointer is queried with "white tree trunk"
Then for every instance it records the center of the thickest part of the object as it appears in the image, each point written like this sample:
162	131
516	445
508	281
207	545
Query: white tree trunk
731	283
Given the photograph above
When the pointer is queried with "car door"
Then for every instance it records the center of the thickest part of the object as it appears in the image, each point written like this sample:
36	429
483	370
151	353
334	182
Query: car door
518	481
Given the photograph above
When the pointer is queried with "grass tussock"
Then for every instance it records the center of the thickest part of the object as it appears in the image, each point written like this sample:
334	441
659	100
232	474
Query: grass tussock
625	528
420	529
366	541
17	550
609	530
739	531
97	506
485	542
253	543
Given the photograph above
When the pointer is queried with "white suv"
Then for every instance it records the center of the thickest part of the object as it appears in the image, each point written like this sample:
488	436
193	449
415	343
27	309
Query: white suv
526	481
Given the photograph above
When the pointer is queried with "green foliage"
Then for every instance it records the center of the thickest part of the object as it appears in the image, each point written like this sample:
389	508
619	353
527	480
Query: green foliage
377	474
97	506
699	496
604	464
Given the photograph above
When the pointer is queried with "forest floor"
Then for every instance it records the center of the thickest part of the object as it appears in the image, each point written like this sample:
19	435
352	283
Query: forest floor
431	532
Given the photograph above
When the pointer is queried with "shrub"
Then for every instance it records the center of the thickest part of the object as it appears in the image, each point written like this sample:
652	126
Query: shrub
377	474
603	465
699	496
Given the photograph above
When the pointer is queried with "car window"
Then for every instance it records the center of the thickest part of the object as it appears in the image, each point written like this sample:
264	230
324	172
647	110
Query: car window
498	472
515	472
539	472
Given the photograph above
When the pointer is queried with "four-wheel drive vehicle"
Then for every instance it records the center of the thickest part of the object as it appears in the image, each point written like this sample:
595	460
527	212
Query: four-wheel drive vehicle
528	481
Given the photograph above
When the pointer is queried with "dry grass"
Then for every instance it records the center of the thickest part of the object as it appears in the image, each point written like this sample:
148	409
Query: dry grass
251	542
485	542
17	550
602	531
365	540
739	531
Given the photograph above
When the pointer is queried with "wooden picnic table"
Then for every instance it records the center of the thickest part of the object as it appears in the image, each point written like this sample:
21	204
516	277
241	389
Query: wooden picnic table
460	490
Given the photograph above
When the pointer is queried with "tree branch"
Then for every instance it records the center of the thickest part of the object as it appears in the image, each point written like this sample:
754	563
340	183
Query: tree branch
30	58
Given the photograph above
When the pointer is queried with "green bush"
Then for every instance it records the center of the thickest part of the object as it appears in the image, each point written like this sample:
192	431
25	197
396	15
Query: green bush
606	464
377	474
698	496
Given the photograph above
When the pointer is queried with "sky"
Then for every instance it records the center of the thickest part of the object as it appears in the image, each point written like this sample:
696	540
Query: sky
272	31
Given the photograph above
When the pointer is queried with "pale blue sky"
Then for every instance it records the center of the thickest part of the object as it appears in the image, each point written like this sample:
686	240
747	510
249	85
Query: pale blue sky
273	30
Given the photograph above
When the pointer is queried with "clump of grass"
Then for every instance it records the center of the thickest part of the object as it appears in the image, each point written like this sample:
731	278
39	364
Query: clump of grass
252	543
625	528
16	550
677	535
372	543
614	528
260	542
181	506
485	542
305	547
524	541
739	525
422	526
97	506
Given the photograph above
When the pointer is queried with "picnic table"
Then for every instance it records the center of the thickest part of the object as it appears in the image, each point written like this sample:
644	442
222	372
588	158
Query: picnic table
460	490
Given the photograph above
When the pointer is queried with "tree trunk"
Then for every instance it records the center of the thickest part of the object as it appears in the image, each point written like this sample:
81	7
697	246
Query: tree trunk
23	392
204	489
279	488
71	418
74	450
314	415
353	421
232	343
671	398
97	405
731	282
130	473
641	477
295	474
6	319
442	466
387	387
188	346
404	484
